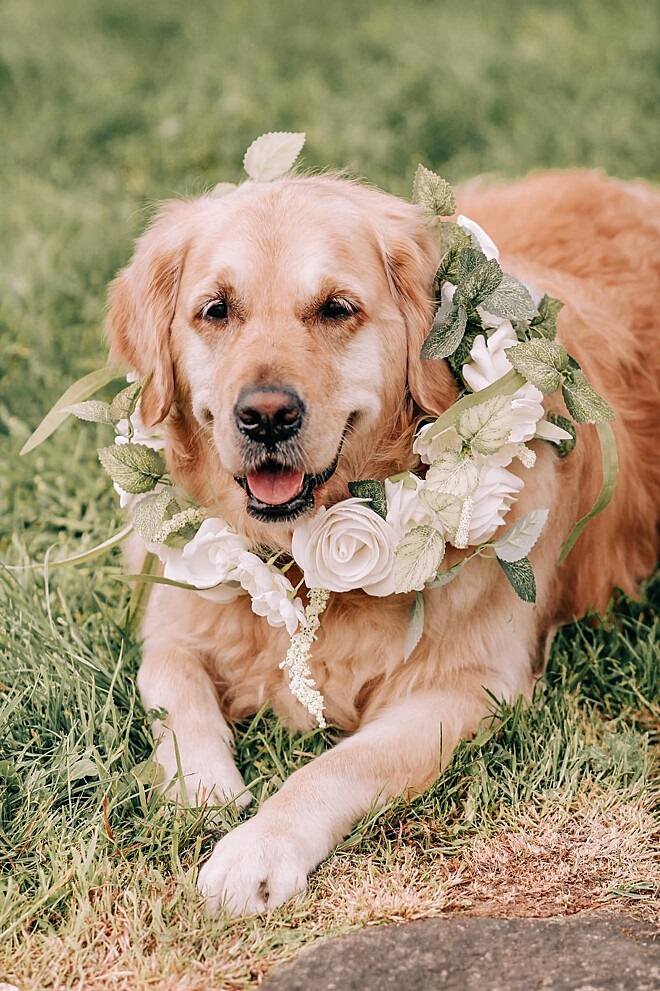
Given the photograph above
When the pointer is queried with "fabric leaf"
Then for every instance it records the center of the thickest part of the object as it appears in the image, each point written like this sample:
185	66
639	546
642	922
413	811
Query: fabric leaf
481	283
417	558
519	539
583	402
135	468
487	427
124	403
447	335
433	193
511	300
93	411
150	513
521	577
453	473
372	490
272	155
541	362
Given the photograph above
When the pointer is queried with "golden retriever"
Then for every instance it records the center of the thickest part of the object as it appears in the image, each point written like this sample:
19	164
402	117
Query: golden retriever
308	300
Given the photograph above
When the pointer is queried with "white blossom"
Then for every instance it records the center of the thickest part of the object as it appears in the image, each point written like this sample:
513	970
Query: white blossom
405	509
149	436
272	594
346	546
486	243
496	493
430	448
296	662
211	561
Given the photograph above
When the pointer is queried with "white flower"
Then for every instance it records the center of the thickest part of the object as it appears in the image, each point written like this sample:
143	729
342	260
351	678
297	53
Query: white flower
271	592
405	508
495	495
210	562
490	363
347	546
430	449
486	243
149	436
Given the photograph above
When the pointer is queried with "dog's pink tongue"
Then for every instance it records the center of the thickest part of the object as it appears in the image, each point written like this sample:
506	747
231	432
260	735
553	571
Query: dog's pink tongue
275	487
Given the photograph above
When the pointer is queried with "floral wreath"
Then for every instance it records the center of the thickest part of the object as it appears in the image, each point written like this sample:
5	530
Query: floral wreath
389	537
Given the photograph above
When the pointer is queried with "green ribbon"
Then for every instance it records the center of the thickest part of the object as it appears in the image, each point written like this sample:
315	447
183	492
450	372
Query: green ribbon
610	462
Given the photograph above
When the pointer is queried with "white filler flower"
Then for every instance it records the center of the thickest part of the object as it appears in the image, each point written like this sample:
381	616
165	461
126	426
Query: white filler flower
347	546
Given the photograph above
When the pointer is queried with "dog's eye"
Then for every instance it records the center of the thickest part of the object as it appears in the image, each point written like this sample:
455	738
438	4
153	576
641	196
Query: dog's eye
217	310
337	308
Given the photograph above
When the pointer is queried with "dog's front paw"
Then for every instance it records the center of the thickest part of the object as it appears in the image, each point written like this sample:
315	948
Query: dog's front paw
200	774
252	869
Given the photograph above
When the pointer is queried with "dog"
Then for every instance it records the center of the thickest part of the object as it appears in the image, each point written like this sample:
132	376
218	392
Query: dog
306	301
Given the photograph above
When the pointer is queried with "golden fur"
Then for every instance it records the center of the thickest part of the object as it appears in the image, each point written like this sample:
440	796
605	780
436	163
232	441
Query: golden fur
276	250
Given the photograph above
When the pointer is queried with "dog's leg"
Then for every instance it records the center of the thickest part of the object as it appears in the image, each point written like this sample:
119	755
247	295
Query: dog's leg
266	860
194	743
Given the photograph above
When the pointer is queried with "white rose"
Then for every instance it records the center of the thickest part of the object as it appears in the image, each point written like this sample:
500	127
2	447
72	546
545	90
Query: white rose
486	243
210	562
495	495
345	547
271	592
405	508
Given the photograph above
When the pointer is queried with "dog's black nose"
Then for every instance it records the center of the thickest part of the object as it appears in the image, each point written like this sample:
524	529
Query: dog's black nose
269	414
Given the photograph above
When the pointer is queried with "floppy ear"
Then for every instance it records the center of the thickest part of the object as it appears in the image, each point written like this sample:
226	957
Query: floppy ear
412	255
141	305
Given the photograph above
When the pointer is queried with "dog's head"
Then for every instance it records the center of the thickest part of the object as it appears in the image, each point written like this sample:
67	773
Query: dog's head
282	325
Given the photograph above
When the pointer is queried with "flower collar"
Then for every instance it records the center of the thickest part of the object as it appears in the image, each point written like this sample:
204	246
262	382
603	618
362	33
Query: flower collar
389	537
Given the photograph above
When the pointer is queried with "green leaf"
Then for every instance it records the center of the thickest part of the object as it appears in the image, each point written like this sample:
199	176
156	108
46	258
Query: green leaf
150	513
139	600
415	627
505	386
467	261
372	490
94	411
135	468
124	403
480	284
453	473
272	155
510	300
521	577
433	193
545	323
610	464
518	540
582	401
543	363
447	335
487	427
453	240
76	393
446	507
418	557
564	447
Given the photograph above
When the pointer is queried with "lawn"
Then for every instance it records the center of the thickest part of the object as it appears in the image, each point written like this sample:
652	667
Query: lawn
109	107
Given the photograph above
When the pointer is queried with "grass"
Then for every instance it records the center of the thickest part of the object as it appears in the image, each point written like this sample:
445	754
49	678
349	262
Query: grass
109	107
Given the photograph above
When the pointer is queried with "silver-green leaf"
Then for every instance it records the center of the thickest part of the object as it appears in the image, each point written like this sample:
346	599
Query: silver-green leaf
511	300
542	362
433	193
417	558
124	403
487	427
445	577
521	577
519	539
454	474
272	155
150	513
135	468
481	283
94	411
583	402
445	335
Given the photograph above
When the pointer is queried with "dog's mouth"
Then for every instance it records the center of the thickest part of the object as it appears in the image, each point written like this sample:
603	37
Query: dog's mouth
279	493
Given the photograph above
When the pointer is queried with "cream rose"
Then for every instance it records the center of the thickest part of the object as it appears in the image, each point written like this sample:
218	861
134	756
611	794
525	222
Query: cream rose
496	493
210	562
272	593
345	547
405	509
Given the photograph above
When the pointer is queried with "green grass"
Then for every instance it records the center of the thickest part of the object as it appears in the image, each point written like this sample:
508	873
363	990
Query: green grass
107	108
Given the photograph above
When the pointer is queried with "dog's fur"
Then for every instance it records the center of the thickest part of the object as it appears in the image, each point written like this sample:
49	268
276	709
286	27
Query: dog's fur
277	251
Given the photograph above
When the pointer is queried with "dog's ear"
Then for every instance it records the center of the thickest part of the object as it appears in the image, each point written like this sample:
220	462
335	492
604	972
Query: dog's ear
141	305
412	257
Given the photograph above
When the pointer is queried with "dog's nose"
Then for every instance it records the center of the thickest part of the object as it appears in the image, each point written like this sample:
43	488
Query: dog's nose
269	415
